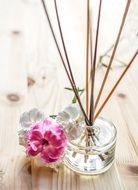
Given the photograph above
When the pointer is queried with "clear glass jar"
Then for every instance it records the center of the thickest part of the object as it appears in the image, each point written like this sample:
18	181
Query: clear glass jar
93	152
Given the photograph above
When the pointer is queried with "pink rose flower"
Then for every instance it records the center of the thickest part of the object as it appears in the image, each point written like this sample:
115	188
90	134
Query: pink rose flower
46	139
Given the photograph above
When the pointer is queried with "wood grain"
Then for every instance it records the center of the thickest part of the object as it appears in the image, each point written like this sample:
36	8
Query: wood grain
27	51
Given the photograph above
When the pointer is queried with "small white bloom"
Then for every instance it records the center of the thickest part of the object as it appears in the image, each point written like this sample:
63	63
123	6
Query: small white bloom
27	119
73	121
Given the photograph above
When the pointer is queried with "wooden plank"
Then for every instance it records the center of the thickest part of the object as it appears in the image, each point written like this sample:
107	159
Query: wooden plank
129	169
18	172
13	72
124	115
14	166
45	178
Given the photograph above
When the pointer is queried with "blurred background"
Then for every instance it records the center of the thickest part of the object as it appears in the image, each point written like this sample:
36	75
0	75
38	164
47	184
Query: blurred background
31	72
32	75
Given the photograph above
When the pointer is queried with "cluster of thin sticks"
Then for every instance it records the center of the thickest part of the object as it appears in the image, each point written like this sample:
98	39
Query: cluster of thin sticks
90	113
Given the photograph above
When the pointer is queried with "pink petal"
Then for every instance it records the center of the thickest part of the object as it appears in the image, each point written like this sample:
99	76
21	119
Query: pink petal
33	152
51	154
45	157
34	135
34	148
56	141
56	137
47	135
47	122
35	126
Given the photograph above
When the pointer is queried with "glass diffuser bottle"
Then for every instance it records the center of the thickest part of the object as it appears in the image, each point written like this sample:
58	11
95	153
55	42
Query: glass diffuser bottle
94	151
90	149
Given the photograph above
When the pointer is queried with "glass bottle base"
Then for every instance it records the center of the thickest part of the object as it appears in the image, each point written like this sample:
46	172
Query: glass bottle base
94	155
83	172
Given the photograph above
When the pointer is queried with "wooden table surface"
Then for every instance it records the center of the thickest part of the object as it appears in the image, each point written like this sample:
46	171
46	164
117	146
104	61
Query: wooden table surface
31	75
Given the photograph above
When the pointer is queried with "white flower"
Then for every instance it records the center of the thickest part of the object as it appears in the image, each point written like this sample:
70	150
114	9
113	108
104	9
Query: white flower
27	119
72	120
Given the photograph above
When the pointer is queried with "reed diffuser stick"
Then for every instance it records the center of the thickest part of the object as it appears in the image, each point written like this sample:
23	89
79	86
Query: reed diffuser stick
91	47
63	62
90	50
113	54
64	47
116	84
91	115
87	57
63	43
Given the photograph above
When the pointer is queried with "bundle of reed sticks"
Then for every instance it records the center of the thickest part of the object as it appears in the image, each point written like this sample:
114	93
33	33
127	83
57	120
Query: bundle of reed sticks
90	113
